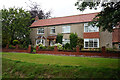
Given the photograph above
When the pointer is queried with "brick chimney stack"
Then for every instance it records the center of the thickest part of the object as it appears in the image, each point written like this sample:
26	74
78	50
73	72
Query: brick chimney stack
36	18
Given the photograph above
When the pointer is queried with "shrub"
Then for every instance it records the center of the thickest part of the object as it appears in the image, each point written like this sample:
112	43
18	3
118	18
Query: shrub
73	40
51	47
59	38
15	42
12	47
109	49
41	46
80	43
67	46
59	46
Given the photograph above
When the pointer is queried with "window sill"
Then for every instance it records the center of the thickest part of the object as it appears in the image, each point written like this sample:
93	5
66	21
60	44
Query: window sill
90	32
66	32
40	33
52	33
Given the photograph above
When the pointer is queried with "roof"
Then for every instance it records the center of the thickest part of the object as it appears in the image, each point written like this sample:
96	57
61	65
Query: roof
64	20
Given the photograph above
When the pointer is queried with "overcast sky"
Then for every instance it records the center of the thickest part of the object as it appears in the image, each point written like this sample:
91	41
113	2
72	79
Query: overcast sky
59	8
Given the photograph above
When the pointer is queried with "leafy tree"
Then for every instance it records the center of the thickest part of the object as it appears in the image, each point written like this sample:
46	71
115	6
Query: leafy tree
73	40
35	10
59	38
15	25
108	18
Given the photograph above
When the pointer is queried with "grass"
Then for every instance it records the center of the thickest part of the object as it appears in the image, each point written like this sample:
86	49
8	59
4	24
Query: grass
21	65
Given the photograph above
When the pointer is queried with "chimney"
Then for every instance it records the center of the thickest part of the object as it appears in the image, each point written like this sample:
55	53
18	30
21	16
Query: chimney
36	18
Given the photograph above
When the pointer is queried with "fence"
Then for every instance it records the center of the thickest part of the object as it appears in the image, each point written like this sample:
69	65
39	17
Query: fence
103	53
17	49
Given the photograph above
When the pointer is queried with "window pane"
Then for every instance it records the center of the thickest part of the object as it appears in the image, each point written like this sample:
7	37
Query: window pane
86	28
52	29
86	44
90	43
95	44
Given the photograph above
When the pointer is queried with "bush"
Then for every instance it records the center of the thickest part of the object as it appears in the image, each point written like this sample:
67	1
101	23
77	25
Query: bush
12	47
16	42
59	38
80	43
110	49
41	46
73	40
67	46
59	46
51	47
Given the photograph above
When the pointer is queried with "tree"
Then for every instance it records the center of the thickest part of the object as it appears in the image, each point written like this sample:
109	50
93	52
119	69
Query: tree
108	18
59	38
73	40
15	25
80	43
35	10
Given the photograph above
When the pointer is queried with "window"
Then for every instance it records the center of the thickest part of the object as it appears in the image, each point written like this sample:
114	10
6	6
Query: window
65	41
40	41
52	30
91	43
90	28
51	42
66	29
119	45
40	31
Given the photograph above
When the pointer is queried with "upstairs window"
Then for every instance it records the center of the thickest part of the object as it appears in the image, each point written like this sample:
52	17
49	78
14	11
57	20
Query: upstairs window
40	31
90	28
66	29
52	30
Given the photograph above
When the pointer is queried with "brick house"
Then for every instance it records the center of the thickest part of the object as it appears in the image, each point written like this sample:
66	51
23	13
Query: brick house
46	30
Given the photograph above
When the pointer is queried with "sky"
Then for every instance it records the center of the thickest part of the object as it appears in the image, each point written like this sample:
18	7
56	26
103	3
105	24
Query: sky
59	8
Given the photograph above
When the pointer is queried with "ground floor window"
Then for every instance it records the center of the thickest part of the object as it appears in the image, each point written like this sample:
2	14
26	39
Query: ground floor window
40	41
65	41
91	43
119	45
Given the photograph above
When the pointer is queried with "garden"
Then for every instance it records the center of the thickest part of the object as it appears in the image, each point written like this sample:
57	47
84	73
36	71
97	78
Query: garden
24	65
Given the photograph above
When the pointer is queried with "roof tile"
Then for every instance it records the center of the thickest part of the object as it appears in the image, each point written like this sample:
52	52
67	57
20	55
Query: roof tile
65	20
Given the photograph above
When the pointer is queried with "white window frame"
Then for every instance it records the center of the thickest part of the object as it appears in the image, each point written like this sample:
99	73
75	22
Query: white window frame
87	40
95	28
51	30
64	29
41	41
64	41
39	29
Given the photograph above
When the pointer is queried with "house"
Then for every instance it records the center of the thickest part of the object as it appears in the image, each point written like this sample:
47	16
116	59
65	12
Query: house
45	31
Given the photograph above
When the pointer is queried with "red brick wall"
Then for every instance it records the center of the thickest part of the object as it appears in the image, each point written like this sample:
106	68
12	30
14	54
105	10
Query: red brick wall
14	50
91	35
79	53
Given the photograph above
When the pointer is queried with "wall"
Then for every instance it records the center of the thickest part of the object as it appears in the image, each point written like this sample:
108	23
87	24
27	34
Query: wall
78	28
106	39
78	53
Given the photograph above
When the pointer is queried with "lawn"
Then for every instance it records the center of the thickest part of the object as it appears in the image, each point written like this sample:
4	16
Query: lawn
47	66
